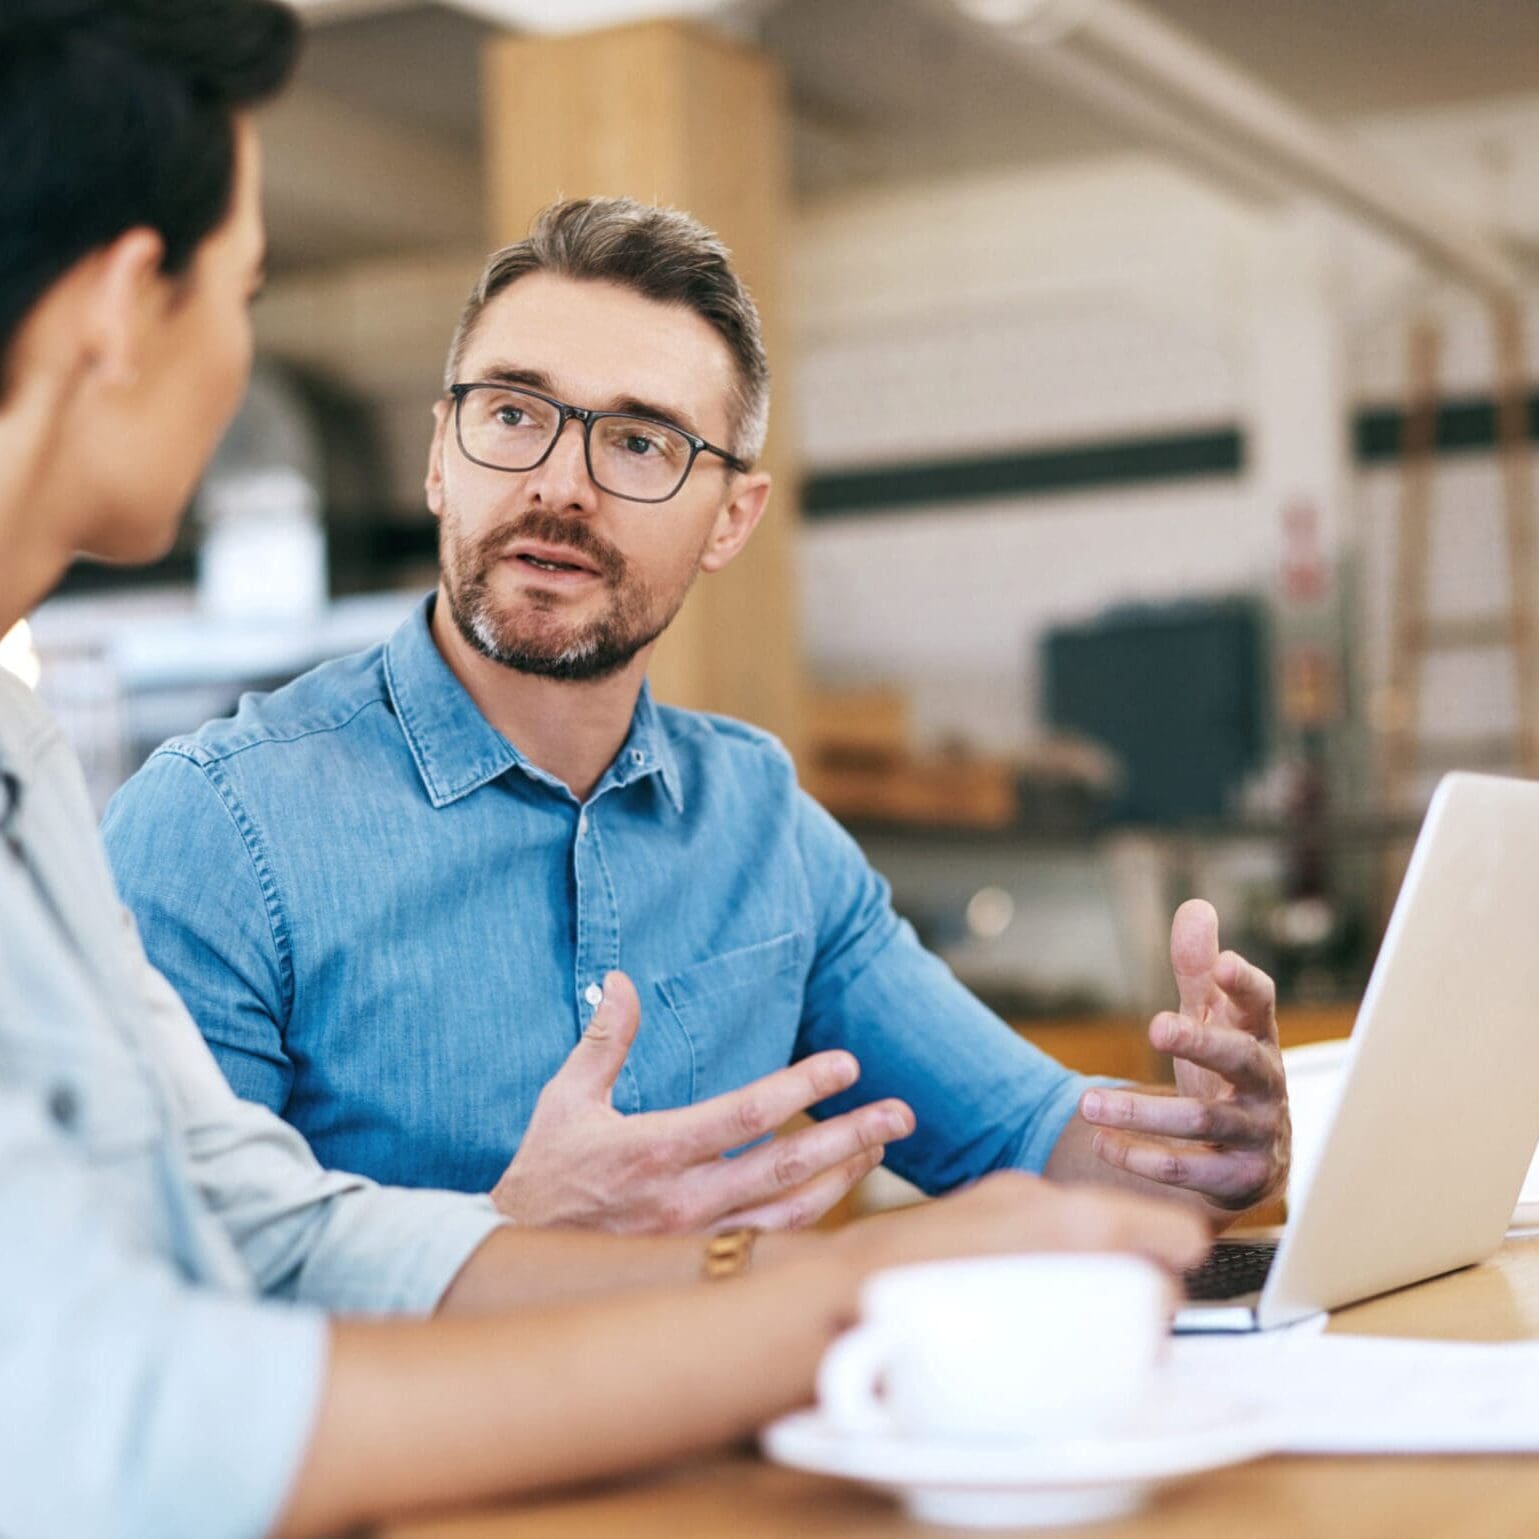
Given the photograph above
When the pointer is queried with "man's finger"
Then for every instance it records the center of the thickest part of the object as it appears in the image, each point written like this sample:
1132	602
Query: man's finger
807	1204
1229	1052
1217	1122
594	1064
1193	955
740	1116
1251	995
1234	1178
789	1163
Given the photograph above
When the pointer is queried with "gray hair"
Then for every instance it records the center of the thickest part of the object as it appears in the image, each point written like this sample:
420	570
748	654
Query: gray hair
660	253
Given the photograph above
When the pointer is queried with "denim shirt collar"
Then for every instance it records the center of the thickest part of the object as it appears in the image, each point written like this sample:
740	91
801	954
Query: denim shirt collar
457	750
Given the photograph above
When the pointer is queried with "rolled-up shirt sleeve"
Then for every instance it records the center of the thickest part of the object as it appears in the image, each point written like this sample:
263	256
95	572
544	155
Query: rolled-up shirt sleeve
150	1406
223	945
983	1097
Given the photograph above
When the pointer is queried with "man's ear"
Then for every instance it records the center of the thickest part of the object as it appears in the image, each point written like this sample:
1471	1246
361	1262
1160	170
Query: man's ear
123	303
736	521
433	486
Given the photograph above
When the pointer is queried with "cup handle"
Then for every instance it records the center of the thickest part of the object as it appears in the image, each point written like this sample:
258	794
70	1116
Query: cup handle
847	1379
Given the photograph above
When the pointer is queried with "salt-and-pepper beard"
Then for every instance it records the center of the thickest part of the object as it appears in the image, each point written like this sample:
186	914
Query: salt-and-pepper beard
579	653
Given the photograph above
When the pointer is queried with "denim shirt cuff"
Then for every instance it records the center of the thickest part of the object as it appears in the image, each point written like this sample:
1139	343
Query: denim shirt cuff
1052	1116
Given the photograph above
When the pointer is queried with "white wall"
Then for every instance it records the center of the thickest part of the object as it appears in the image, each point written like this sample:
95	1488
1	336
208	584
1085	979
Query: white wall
950	602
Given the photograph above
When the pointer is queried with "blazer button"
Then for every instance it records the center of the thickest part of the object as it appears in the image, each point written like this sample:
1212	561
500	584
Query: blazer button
64	1106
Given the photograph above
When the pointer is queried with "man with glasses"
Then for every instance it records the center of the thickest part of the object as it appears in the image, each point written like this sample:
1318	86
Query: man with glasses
394	893
642	459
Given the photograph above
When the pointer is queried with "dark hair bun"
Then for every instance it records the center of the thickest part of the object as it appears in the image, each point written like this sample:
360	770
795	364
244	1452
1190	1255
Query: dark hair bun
20	16
120	114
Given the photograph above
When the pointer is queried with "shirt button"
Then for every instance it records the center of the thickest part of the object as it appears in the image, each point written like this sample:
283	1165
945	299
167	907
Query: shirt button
582	824
594	995
63	1106
637	756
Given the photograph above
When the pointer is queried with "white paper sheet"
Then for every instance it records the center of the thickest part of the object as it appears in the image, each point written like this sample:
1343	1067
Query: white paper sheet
1365	1394
1528	1199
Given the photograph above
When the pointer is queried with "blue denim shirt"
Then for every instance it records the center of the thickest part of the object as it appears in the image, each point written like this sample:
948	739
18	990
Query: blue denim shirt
390	927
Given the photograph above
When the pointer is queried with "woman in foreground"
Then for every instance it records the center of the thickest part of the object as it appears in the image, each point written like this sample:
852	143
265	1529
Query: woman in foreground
201	1331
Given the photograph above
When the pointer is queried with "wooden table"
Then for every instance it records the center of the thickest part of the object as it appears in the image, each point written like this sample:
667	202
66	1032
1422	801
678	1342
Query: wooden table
737	1496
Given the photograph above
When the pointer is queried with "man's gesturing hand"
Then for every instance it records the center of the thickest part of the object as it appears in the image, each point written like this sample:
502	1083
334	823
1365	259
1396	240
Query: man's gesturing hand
584	1165
1224	1133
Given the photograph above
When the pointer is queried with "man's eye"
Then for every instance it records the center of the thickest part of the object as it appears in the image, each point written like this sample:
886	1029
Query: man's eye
639	443
510	416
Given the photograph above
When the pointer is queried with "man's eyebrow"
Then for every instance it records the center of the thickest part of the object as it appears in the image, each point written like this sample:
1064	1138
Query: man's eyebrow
510	374
637	407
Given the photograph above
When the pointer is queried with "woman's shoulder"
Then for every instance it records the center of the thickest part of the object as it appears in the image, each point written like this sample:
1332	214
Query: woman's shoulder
28	732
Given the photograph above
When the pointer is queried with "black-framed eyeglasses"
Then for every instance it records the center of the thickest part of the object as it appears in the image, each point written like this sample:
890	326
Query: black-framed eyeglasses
642	459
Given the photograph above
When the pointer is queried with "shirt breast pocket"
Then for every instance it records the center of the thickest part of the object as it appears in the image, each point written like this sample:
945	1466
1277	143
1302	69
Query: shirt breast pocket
740	1011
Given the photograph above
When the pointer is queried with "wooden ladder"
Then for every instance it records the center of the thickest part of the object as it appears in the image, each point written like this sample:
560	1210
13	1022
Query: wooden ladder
1414	633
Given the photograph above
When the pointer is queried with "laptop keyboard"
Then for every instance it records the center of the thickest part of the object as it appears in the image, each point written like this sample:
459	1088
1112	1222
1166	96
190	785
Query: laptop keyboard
1233	1268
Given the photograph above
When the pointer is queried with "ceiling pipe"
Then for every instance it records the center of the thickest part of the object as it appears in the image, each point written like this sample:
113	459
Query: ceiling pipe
1246	122
1140	112
316	11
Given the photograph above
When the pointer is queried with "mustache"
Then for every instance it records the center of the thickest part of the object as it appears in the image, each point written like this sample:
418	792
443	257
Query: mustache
552	529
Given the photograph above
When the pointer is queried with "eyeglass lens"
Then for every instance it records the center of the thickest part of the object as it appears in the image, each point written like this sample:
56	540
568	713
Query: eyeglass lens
630	456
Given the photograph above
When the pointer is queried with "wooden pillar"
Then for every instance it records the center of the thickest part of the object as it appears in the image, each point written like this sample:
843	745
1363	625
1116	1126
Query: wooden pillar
1514	446
670	113
1413	546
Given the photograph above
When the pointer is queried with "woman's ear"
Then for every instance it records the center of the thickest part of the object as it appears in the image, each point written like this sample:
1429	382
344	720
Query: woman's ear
124	299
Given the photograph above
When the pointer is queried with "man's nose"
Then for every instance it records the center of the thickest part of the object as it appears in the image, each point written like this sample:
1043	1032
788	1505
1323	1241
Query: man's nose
562	479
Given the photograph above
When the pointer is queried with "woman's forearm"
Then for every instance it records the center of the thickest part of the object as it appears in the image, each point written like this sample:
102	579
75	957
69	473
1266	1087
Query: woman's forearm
519	1268
522	1268
448	1411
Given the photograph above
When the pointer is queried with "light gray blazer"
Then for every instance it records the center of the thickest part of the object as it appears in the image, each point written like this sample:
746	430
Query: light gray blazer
166	1249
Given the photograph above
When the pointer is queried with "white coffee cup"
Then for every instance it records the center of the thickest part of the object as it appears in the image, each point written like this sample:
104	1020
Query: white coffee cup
1006	1347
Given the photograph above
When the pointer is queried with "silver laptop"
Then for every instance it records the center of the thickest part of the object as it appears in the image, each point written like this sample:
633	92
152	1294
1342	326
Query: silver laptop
1438	1113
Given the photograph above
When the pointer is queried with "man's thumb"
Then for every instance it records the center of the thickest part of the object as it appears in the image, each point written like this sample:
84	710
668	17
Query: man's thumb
595	1063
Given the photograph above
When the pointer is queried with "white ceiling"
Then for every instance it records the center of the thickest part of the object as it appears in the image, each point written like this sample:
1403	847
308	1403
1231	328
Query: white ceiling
880	89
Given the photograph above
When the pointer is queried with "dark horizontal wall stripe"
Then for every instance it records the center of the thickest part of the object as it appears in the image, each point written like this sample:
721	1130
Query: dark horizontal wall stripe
1034	473
1463	427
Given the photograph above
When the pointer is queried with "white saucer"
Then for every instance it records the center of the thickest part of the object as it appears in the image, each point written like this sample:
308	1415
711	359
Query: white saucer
1019	1485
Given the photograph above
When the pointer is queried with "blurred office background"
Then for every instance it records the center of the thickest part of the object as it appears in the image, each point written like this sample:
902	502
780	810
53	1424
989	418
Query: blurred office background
1154	433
